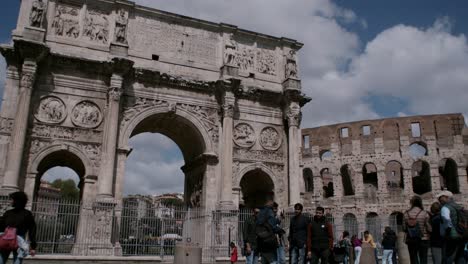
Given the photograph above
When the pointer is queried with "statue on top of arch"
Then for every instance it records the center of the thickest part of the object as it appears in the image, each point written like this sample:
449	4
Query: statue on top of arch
37	13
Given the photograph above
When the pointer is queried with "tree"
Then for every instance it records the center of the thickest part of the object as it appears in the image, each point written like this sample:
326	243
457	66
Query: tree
68	189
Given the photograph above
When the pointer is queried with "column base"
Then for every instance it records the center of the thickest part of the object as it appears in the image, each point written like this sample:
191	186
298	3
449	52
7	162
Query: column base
6	190
226	206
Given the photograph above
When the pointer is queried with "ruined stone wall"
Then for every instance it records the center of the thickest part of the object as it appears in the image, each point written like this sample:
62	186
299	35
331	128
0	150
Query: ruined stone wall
375	166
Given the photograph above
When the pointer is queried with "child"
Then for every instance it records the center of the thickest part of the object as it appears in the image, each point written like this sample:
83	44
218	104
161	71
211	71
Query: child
233	253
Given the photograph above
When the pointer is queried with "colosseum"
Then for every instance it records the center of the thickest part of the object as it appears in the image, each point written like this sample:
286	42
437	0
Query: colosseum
365	172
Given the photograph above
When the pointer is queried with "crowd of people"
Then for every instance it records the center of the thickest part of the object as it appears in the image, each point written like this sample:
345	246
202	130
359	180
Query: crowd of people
442	230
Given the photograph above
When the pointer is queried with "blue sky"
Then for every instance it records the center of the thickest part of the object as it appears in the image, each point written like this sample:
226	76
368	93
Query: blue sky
362	59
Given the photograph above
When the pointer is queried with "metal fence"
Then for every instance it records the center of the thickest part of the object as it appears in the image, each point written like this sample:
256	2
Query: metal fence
73	228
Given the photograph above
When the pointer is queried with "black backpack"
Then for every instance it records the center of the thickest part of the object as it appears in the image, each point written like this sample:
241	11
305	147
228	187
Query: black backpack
267	239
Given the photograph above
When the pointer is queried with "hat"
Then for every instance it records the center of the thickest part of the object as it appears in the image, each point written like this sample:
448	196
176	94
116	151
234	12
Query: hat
449	194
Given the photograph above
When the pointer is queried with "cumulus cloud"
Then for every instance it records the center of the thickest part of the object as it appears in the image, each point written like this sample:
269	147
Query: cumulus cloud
153	166
426	68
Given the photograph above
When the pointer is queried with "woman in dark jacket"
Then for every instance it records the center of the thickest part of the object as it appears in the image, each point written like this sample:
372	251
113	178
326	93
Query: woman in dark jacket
23	221
436	238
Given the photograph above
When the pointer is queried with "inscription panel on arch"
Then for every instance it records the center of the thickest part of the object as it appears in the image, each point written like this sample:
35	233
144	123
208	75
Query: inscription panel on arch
150	36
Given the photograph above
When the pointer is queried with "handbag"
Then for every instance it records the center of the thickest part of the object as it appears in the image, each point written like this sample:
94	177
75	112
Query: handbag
8	240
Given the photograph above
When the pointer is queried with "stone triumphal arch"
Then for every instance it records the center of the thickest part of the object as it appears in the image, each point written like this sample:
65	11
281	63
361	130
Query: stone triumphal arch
85	76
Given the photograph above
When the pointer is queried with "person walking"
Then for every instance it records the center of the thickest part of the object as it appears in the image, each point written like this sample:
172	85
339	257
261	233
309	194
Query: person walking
345	244
250	238
388	243
281	254
357	245
298	235
319	238
436	238
22	220
267	231
453	245
368	238
416	223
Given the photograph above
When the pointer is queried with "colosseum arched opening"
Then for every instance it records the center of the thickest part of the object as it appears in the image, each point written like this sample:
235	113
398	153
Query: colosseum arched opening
394	177
421	173
308	180
327	179
347	180
370	180
448	171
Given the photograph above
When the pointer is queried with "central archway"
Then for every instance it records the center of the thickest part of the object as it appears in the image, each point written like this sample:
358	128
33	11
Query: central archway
188	134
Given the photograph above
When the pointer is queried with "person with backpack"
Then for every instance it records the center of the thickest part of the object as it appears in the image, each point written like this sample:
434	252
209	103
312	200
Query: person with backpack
17	222
267	230
250	238
281	253
436	239
452	228
319	238
345	246
417	226
298	235
388	244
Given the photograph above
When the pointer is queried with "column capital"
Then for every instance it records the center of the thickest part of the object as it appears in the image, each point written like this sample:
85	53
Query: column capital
115	89
293	114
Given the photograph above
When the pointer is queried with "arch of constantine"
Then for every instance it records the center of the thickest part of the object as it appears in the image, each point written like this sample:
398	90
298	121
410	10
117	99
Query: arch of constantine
83	77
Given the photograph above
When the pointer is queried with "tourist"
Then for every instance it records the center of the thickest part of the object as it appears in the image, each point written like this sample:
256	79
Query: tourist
267	230
436	238
233	253
416	223
23	221
250	238
281	254
368	238
453	245
345	245
388	243
298	235
357	245
319	238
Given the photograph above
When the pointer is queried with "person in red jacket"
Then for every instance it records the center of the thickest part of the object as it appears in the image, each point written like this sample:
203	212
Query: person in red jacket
319	238
233	253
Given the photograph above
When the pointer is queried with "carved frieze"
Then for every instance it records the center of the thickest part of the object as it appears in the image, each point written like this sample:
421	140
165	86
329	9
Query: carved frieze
140	104
86	114
121	27
6	124
245	59
103	223
37	145
66	21
92	151
96	27
270	138
207	116
244	135
258	155
266	62
51	110
37	13
61	132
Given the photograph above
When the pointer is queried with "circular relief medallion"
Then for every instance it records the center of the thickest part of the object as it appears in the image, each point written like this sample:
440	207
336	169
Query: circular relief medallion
86	114
51	110
244	135
270	138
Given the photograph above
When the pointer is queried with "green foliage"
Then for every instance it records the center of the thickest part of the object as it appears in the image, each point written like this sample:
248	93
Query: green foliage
68	189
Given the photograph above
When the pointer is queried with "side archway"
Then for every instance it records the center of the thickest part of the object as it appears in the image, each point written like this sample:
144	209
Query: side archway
448	171
256	187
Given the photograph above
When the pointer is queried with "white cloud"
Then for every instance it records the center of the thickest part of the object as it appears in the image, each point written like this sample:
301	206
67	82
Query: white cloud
424	67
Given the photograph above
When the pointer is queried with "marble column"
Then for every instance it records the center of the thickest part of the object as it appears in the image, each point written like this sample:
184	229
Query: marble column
109	146
293	118
18	134
227	149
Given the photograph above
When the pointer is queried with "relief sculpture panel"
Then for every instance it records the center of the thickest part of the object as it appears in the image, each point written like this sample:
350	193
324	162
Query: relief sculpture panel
66	21
51	110
266	62
96	27
270	138
244	135
86	114
147	34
